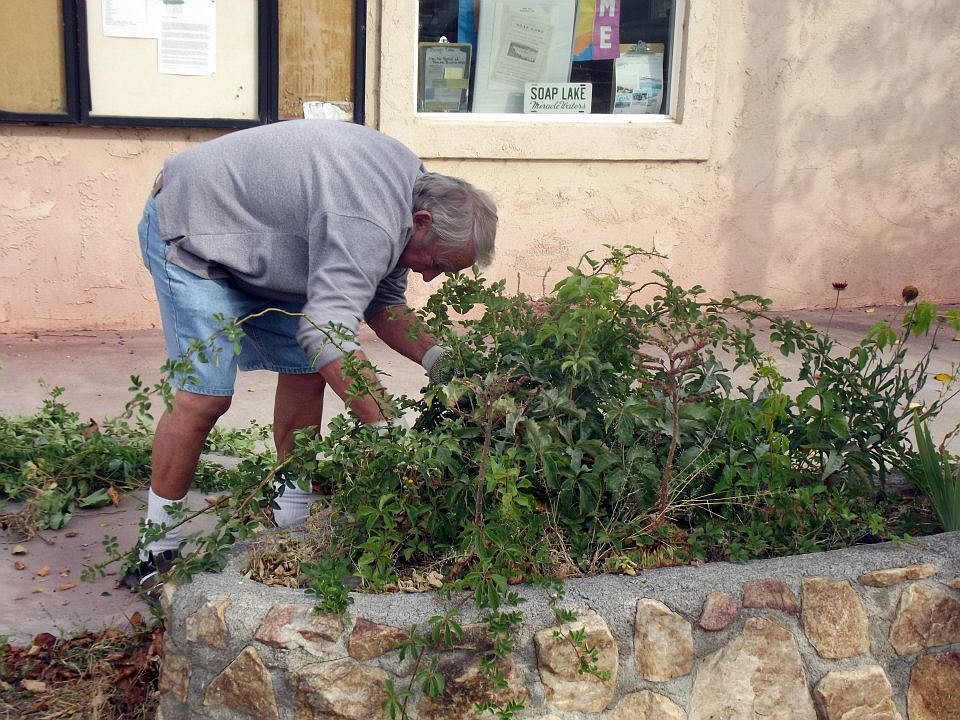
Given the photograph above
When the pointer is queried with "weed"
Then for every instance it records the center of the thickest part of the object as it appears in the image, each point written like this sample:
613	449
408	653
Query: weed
936	473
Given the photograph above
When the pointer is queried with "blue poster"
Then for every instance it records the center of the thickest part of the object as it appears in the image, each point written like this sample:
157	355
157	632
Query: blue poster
466	23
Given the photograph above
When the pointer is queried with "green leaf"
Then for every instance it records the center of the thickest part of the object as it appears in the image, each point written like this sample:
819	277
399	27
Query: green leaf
100	498
834	463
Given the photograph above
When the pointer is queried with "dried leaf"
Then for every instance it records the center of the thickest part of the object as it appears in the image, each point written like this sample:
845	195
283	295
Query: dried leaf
71	533
34	686
18	550
66	586
870	310
37	590
44	571
114	495
91	429
137	620
20	565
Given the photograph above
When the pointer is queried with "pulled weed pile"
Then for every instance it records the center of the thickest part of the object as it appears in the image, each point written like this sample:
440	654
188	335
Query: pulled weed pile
110	675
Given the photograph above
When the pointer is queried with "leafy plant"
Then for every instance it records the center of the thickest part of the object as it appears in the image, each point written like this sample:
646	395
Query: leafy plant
586	430
936	473
596	428
55	464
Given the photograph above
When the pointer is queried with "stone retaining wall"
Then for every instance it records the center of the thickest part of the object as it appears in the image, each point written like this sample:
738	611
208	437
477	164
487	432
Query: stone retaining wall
868	633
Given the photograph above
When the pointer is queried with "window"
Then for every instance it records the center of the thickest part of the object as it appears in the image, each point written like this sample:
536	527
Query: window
540	79
197	63
545	56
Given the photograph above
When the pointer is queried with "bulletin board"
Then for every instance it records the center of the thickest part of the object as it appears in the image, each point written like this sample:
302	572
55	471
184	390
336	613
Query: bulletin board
202	62
32	72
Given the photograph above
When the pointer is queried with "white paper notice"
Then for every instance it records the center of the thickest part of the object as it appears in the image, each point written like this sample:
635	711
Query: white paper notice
525	38
188	40
131	18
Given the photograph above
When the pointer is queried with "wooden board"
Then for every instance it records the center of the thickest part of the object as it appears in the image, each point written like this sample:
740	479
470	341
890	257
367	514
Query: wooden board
316	53
31	57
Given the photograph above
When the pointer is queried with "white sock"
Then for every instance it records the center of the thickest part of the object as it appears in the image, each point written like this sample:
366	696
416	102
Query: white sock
157	514
294	504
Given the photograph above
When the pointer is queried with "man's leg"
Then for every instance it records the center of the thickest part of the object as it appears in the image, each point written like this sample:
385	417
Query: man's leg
298	405
179	440
177	445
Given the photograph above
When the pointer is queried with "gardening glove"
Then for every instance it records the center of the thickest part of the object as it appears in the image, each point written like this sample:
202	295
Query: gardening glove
294	504
438	362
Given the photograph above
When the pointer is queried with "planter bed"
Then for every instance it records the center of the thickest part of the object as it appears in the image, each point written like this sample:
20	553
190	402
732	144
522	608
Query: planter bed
866	632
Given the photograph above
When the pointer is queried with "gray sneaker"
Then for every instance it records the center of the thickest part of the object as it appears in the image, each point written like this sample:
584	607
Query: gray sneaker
147	577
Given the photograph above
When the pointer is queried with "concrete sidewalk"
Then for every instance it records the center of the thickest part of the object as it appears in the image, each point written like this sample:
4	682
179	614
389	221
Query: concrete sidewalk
94	370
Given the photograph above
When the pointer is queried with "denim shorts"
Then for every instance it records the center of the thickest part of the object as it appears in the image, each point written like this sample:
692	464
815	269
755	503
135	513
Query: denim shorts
188	304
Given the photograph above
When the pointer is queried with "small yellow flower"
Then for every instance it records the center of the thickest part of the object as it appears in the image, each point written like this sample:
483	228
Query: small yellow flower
943	377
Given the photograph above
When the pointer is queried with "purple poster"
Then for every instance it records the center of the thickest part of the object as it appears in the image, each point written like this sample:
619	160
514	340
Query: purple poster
606	30
597	32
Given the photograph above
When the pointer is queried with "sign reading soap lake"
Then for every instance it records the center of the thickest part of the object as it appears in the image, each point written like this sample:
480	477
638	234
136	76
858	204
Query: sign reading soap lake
557	97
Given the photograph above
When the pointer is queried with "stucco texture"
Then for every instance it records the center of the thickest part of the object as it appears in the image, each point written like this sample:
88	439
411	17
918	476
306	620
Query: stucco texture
834	155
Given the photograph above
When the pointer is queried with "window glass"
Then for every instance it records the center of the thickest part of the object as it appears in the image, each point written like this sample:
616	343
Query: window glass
545	56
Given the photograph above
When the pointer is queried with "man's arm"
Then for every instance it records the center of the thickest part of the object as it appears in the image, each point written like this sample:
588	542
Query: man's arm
367	407
400	328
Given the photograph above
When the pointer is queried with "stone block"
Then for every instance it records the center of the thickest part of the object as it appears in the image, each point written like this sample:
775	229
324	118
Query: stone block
834	618
645	705
719	610
861	694
895	576
564	686
758	674
339	690
465	685
174	672
208	625
663	642
296	625
769	594
369	640
928	616
934	691
245	687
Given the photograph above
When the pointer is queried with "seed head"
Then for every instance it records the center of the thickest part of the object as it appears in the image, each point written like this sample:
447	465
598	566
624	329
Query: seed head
909	293
840	285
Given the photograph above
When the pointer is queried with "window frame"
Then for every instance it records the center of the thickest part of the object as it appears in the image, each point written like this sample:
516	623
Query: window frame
77	75
681	134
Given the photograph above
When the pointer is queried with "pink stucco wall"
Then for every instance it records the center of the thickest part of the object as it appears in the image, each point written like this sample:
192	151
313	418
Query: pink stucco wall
834	155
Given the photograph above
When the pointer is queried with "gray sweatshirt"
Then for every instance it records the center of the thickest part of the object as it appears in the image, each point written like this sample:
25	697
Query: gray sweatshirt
311	211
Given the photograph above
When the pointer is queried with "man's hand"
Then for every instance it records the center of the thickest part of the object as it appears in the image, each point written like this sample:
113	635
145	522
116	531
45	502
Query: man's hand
438	362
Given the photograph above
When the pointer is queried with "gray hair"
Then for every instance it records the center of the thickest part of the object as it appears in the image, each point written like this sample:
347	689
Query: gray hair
460	212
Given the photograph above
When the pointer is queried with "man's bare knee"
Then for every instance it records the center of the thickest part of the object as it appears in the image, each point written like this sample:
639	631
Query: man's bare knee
200	409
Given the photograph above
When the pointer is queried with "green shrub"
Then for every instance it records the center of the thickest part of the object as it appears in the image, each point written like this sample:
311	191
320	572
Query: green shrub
587	430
